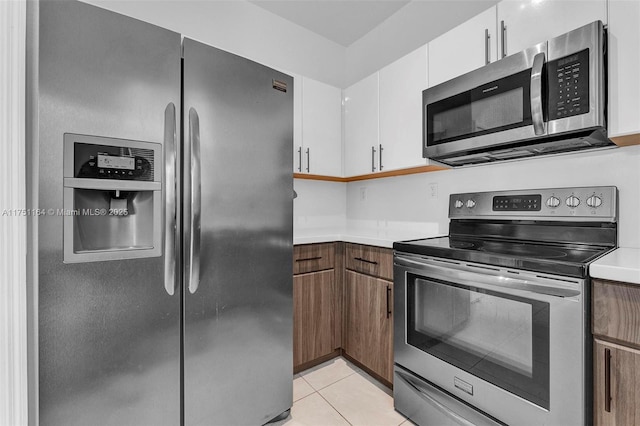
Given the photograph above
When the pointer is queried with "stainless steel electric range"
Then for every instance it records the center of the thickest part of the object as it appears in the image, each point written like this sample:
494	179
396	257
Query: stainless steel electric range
491	323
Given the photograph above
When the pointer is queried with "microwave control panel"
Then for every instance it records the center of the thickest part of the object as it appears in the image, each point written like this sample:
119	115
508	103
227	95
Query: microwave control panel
568	80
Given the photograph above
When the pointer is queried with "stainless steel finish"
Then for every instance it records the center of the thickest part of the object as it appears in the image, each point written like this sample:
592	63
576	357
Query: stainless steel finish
503	39
592	37
91	230
300	159
566	344
425	404
373	158
380	156
193	210
483	208
525	284
238	325
494	71
171	246
537	113
308	160
487	44
108	335
572	133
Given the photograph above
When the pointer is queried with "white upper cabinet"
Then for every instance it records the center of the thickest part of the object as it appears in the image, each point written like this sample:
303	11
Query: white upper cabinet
527	23
624	67
401	85
317	127
361	127
297	122
321	128
466	47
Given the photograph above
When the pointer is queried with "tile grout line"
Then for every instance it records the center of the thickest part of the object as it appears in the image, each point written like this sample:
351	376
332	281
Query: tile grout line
330	405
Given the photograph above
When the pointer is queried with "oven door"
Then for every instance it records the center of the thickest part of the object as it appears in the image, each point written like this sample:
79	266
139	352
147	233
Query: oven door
510	343
497	104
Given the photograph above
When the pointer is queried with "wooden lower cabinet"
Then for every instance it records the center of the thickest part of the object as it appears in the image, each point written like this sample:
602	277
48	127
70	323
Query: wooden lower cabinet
368	328
617	383
616	357
313	316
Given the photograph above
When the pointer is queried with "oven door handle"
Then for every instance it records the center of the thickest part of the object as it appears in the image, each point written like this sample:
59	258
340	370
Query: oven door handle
480	280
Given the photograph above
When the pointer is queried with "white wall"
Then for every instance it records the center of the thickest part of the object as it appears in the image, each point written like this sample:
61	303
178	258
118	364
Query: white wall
406	198
319	205
247	30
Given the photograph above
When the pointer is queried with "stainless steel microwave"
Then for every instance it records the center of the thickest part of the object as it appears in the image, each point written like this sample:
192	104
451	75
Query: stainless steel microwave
549	98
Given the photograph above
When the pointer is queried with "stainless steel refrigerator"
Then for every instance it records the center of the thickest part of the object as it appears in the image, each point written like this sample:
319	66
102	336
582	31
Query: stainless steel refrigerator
161	282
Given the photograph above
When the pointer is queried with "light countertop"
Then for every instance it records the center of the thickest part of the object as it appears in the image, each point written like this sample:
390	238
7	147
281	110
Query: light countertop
623	264
374	233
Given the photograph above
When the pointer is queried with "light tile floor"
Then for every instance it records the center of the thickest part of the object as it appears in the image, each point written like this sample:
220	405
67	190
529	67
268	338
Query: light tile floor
338	393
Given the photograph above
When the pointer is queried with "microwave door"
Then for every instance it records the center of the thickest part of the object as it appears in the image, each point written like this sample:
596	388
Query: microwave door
486	108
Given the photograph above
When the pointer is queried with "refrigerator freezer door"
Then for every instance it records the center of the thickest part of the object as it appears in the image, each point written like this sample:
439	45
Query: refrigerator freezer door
108	332
238	320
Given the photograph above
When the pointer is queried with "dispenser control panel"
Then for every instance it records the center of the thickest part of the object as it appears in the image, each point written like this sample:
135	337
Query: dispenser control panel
113	162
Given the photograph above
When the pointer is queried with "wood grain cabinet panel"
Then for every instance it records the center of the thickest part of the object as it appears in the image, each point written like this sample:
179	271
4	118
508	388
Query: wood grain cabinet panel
313	257
616	381
616	311
368	320
616	358
313	316
369	260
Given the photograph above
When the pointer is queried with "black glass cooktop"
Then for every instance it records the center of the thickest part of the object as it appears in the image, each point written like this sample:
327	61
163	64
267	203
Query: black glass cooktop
570	260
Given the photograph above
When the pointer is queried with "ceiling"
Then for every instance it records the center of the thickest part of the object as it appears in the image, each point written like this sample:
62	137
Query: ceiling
341	21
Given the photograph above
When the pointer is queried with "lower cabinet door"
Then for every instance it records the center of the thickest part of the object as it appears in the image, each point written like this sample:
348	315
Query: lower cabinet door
616	382
313	316
368	322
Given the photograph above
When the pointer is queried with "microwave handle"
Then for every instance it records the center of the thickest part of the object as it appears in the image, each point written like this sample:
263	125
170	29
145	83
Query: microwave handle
537	116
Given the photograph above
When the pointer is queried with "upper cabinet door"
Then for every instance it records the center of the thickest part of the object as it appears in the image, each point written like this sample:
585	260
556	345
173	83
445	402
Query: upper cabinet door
624	67
361	126
321	128
527	23
401	86
466	47
297	123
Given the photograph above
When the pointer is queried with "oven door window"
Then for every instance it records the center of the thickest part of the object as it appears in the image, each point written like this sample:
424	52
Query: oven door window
500	105
500	338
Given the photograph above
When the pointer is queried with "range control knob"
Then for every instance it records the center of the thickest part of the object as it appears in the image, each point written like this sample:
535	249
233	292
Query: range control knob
594	201
458	204
471	204
573	201
553	202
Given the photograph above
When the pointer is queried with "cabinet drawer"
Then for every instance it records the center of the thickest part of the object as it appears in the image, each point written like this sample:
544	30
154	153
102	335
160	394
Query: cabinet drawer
313	257
616	311
374	261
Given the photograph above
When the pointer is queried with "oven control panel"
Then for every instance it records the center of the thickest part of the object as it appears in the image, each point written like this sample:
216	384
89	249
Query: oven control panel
597	203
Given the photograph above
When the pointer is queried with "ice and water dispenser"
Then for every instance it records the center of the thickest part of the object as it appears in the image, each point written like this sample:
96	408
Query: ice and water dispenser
112	199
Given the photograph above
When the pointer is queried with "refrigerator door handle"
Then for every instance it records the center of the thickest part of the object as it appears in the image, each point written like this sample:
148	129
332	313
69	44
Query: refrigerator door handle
194	206
170	279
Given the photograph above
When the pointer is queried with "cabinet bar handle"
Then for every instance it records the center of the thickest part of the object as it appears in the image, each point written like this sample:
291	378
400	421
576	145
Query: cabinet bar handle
503	37
388	301
487	38
380	157
300	159
308	158
309	259
373	158
607	380
371	262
